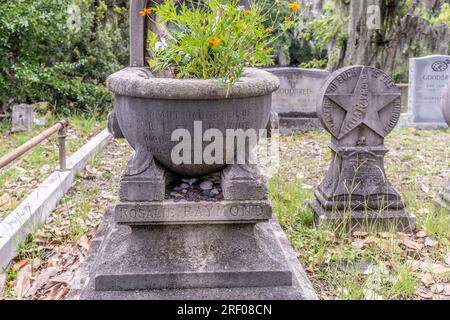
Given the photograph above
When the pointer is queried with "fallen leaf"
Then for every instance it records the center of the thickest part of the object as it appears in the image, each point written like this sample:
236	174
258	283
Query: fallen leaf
64	278
19	264
4	199
429	242
437	288
57	292
446	289
84	242
23	282
424	293
411	244
421	234
427	279
36	263
310	268
361	243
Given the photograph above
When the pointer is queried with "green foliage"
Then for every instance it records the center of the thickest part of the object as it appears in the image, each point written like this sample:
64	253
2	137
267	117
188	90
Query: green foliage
43	58
213	40
444	15
286	40
318	32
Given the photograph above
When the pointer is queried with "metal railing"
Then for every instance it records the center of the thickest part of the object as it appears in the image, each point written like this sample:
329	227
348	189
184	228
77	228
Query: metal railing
60	127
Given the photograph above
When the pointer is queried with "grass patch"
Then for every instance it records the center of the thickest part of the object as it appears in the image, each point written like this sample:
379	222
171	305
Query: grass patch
24	174
377	265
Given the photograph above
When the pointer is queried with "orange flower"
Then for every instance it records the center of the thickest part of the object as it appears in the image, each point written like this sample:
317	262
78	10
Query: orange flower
146	12
294	6
214	42
247	11
269	30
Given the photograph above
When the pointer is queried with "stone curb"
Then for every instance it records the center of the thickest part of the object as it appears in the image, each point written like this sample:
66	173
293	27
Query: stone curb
34	210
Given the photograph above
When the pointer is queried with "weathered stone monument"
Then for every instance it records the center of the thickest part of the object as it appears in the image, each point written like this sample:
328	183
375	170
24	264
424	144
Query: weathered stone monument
295	100
359	106
22	117
442	200
190	230
427	79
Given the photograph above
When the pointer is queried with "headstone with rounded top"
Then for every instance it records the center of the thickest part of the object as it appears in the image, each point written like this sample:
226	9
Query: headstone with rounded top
295	100
427	79
359	106
22	118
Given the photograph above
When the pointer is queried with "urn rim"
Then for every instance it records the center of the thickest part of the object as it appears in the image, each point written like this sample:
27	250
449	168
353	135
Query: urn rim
140	83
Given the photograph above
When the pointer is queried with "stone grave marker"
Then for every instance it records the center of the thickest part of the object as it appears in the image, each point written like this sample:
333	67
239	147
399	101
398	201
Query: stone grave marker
442	201
22	117
446	104
295	100
178	232
427	79
359	106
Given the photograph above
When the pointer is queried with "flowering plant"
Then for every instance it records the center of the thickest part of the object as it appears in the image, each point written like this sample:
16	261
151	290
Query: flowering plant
212	39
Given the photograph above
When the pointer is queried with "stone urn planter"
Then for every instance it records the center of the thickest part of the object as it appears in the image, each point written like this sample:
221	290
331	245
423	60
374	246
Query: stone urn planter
149	109
155	243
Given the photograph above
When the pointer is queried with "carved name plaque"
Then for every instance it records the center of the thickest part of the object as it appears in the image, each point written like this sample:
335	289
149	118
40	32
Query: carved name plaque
358	96
193	212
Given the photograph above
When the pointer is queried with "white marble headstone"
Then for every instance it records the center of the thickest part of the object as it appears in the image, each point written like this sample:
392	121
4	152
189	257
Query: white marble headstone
428	77
22	118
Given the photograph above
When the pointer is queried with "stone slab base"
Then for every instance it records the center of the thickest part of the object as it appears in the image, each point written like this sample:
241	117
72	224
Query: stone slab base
399	220
298	124
423	125
273	254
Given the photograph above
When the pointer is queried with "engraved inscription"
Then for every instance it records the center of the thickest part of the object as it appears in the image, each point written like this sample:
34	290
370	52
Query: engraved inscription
170	212
362	100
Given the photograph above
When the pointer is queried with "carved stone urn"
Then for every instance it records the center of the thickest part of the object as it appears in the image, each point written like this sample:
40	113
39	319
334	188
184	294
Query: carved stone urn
149	109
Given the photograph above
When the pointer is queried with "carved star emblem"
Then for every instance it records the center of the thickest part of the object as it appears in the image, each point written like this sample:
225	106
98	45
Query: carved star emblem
362	106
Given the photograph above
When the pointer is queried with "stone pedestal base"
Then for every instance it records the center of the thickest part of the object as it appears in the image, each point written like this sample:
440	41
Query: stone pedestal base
298	124
356	192
385	220
148	248
191	262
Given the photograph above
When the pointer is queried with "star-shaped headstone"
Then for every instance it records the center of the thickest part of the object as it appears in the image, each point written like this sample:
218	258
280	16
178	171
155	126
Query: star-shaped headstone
362	106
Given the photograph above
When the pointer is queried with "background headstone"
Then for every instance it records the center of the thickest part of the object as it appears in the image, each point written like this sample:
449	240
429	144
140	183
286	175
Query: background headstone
295	100
428	77
442	201
22	117
359	106
446	104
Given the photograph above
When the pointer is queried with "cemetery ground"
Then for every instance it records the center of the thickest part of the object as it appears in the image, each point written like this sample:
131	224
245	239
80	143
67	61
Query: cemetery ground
340	264
19	178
